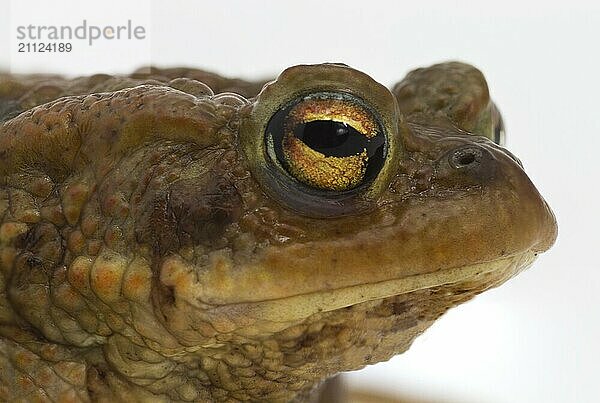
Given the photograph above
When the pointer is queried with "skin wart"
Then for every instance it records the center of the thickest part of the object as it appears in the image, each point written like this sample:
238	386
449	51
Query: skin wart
151	249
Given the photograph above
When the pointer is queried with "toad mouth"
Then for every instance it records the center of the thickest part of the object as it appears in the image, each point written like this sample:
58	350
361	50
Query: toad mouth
298	307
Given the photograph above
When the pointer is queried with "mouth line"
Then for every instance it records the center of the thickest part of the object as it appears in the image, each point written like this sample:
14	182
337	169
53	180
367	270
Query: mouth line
299	307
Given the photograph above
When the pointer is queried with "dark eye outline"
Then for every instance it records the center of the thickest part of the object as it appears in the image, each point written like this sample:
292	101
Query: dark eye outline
274	134
302	80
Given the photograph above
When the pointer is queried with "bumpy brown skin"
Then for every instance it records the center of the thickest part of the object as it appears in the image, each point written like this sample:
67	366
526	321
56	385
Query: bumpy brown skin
144	257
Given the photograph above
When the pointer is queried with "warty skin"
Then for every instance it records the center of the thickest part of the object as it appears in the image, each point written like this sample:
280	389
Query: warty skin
150	249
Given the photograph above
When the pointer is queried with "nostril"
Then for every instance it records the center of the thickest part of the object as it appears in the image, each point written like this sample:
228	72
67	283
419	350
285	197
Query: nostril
465	157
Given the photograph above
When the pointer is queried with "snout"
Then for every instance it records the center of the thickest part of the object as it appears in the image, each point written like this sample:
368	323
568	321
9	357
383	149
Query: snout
521	218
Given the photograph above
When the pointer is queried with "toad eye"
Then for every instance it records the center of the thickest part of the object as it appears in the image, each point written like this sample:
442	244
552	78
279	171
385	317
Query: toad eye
328	141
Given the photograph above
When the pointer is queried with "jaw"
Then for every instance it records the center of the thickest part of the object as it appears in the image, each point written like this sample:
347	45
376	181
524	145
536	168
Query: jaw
271	316
291	344
299	307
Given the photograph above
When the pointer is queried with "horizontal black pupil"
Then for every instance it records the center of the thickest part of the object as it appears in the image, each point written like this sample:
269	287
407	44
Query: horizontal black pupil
331	138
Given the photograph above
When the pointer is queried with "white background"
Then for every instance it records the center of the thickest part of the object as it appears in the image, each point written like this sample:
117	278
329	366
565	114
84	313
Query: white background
535	339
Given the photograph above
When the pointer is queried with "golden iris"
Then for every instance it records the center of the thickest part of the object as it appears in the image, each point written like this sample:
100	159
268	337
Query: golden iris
328	142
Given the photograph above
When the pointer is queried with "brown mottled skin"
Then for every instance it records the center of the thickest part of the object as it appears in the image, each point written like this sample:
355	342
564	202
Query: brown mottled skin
147	255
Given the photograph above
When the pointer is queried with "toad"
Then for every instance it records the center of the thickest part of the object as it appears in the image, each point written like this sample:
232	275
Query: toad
173	235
